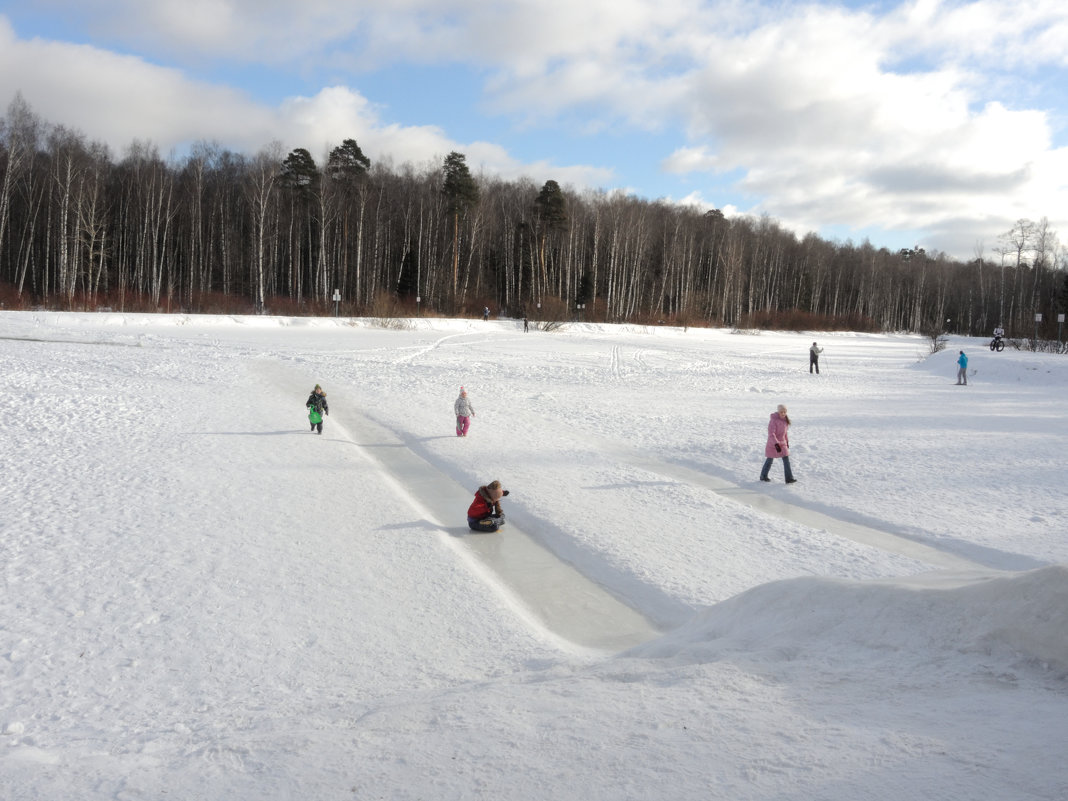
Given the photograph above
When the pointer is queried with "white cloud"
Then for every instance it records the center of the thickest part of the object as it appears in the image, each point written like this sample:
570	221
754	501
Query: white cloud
691	159
116	99
1015	34
256	31
824	134
495	160
270	31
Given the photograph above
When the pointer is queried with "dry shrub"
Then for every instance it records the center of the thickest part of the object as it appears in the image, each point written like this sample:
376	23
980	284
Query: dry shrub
553	314
12	300
388	312
798	320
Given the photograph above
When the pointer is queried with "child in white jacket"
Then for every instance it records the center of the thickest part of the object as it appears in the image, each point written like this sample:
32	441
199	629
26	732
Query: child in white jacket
464	412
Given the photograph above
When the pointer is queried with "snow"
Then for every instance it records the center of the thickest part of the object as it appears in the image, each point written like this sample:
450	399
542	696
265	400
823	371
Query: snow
204	600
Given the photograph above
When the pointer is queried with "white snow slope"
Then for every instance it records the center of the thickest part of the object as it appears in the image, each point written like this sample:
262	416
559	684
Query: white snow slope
203	600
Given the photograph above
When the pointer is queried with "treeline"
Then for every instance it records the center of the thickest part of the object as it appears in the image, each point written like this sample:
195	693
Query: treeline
280	232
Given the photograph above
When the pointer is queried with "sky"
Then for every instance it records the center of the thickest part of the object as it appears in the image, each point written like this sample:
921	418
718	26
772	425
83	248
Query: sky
931	124
200	598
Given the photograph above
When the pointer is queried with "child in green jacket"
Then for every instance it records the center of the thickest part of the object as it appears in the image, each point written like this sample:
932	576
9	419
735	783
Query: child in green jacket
317	407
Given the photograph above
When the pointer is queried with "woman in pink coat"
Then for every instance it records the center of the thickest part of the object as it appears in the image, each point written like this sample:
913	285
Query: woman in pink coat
778	444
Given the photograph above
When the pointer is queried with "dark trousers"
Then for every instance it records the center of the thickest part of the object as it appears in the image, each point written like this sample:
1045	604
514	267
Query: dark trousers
785	467
486	524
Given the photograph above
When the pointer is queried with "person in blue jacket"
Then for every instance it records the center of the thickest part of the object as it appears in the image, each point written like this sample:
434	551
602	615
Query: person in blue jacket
962	370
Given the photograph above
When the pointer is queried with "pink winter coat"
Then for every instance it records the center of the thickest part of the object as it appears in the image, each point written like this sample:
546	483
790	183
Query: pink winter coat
777	435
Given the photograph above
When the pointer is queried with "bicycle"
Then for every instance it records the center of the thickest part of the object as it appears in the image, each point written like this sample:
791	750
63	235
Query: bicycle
998	344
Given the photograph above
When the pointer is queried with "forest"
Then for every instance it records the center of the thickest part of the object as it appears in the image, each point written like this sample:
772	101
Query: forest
215	231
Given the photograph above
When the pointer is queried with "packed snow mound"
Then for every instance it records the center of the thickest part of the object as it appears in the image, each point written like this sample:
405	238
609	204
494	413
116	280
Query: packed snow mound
1008	367
1014	619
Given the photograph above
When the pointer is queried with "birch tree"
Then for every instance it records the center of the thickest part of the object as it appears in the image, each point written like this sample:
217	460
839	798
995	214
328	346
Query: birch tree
260	190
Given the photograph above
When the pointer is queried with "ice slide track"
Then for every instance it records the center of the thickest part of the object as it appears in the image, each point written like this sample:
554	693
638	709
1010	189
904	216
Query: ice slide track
558	596
548	592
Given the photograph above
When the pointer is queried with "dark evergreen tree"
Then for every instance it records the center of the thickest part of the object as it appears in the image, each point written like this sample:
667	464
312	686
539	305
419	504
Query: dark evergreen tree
299	171
550	207
550	215
347	161
461	193
585	287
300	180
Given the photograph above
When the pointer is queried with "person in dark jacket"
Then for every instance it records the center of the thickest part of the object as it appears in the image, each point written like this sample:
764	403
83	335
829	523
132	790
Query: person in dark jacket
484	514
317	407
814	358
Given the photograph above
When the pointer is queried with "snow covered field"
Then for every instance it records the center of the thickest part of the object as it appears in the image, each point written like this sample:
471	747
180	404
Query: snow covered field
203	600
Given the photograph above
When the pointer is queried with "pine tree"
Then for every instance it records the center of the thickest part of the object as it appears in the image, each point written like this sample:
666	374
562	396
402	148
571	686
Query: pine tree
461	193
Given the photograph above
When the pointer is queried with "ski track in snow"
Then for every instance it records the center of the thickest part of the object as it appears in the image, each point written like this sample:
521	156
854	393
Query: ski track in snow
781	507
420	351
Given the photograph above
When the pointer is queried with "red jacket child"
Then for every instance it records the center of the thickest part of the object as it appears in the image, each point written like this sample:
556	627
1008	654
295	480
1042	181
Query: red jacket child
484	513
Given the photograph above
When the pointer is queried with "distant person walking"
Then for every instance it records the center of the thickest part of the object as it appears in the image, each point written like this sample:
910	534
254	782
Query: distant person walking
485	313
814	358
317	407
778	445
526	325
464	412
962	370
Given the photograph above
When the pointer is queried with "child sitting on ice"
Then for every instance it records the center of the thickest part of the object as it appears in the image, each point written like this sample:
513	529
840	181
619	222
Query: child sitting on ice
485	513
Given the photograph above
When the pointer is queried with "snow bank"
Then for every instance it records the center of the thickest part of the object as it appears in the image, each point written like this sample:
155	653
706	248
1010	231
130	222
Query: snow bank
1013	620
988	367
